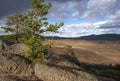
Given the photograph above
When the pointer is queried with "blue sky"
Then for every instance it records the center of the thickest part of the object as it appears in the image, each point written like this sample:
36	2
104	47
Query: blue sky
81	17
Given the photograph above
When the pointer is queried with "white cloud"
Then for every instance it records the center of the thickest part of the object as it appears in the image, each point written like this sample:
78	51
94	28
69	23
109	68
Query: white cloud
109	10
108	24
76	30
99	8
2	23
75	14
115	16
83	8
67	8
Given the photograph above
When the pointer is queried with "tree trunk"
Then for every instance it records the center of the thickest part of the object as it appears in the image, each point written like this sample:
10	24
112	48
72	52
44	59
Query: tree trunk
16	34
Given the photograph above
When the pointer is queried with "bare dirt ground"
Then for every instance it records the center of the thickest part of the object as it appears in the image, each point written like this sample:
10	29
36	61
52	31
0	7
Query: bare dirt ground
95	52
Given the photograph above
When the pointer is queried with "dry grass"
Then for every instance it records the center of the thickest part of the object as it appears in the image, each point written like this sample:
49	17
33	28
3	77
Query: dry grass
96	52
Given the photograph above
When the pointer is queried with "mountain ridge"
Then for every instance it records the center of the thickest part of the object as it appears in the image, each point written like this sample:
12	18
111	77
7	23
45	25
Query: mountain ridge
107	37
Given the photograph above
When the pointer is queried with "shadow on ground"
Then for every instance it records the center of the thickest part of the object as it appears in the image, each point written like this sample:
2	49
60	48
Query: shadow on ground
99	70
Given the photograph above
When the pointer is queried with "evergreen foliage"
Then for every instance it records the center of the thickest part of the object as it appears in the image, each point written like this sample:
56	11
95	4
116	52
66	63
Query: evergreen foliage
36	50
28	28
69	50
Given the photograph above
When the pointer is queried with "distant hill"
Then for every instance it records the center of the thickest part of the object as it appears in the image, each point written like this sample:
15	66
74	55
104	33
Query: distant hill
107	37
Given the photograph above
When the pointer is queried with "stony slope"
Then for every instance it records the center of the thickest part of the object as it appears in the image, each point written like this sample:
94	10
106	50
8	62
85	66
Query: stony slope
13	67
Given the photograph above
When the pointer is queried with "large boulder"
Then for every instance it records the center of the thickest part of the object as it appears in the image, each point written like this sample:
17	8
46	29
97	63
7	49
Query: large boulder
64	68
16	65
57	73
105	79
61	69
2	46
12	48
14	78
16	49
9	79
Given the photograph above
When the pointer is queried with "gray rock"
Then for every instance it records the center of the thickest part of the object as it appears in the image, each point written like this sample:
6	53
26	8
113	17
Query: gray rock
57	68
2	46
11	64
12	49
64	60
9	79
104	79
64	68
56	73
61	69
16	49
14	78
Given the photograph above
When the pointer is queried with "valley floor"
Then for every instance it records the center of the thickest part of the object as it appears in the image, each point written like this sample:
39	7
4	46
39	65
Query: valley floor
97	52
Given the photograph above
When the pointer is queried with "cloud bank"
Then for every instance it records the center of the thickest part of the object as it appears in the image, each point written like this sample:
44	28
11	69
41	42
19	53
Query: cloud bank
83	17
9	7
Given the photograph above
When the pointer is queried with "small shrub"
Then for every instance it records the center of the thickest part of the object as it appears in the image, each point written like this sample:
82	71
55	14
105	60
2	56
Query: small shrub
69	50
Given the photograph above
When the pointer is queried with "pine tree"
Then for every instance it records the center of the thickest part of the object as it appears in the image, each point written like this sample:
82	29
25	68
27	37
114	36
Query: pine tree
14	26
29	27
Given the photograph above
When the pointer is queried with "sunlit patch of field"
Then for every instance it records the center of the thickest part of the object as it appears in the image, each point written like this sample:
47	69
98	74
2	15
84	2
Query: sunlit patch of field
97	52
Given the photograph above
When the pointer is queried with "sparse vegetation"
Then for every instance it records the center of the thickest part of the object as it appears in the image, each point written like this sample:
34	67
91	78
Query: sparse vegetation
69	50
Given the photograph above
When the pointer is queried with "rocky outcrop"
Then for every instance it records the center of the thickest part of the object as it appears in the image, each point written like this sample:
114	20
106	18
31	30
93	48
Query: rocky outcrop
11	64
9	48
9	79
17	68
2	46
58	69
57	73
105	79
64	68
14	67
16	49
